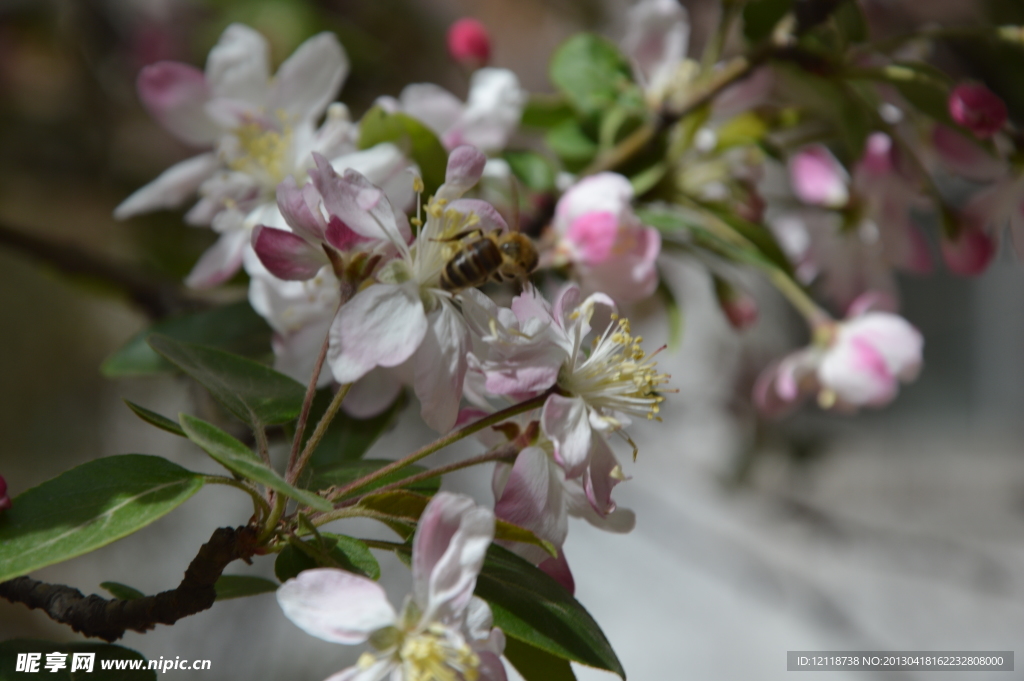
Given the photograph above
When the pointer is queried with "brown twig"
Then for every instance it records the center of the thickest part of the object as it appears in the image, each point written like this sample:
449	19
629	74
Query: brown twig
108	619
158	298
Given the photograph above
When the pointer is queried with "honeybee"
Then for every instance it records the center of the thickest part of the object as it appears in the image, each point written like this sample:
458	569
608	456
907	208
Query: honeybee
490	257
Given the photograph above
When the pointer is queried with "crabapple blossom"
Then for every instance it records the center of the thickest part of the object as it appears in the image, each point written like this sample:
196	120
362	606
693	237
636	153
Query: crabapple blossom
970	251
486	120
406	313
604	240
261	128
443	632
978	109
657	36
598	392
857	362
469	43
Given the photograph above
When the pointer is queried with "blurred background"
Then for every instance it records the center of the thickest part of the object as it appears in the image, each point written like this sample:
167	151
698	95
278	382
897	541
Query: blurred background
894	530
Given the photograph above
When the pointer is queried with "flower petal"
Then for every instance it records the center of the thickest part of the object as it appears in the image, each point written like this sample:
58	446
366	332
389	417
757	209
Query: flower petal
357	202
286	255
565	422
657	36
301	209
309	79
220	262
382	325
448	551
237	67
432	105
493	111
175	94
171	188
818	178
533	498
441	367
465	167
335	605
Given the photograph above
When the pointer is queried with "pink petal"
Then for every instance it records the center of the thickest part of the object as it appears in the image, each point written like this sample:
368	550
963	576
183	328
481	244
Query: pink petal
359	204
286	255
448	551
598	481
171	188
601	193
465	167
965	157
300	207
565	422
335	605
858	374
310	78
441	367
175	94
533	497
898	342
382	325
593	235
818	178
220	262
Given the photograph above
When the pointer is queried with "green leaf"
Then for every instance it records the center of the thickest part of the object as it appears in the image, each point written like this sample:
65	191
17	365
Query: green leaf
339	551
532	169
398	509
238	586
88	507
251	391
546	111
506	531
235	328
152	418
347	471
9	651
122	591
569	141
348	438
535	664
237	458
531	606
591	72
923	86
410	135
761	16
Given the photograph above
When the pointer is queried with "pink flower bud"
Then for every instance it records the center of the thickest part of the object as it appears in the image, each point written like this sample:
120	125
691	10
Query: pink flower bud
970	253
738	307
818	178
5	501
978	109
469	43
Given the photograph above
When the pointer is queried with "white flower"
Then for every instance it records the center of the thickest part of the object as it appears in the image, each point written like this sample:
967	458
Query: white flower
406	313
443	633
261	130
598	390
486	121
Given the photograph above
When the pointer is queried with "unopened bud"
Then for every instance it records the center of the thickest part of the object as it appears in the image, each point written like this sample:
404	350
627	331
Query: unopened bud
469	43
978	109
5	501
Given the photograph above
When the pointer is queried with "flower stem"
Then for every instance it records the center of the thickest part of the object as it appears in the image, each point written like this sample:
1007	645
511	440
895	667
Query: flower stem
271	521
318	433
442	442
502	452
307	404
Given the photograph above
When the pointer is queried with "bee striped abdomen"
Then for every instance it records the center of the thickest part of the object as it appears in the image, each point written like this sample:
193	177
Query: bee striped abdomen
472	266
